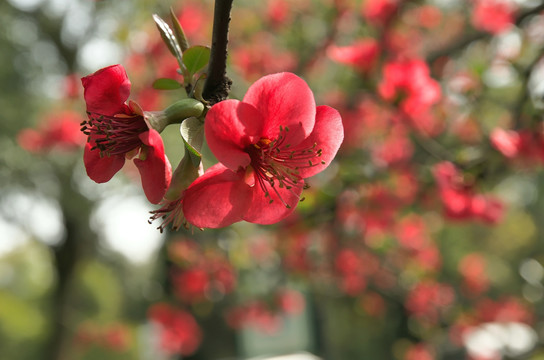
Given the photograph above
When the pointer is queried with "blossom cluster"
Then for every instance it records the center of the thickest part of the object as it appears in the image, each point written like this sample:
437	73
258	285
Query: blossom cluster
392	201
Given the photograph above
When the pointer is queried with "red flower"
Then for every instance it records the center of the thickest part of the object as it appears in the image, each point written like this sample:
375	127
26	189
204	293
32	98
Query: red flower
180	333
278	12
191	285
57	131
524	145
410	79
379	12
494	16
419	352
267	145
473	269
429	299
362	55
508	142
460	200
117	131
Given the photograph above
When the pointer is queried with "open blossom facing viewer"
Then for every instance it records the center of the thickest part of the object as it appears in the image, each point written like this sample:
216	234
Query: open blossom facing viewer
117	131
266	145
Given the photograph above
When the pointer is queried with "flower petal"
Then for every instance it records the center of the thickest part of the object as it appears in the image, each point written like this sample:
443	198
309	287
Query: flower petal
328	134
283	99
107	90
101	169
216	199
230	127
155	170
262	211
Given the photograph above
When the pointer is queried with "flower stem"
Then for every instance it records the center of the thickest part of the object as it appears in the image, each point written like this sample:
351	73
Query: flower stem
218	84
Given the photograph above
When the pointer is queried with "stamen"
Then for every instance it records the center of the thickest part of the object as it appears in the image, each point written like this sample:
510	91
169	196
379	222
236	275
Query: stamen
171	213
114	135
277	167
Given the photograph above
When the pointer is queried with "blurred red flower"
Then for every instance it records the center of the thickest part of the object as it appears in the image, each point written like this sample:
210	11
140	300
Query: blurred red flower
179	331
494	16
460	200
59	131
410	79
361	55
379	12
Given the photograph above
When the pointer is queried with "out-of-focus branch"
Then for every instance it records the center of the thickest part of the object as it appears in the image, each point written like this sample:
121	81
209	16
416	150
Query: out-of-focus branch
306	63
79	241
465	40
517	112
217	85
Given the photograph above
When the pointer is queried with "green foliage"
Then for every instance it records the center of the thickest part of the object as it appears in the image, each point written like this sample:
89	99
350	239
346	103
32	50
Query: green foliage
196	58
166	84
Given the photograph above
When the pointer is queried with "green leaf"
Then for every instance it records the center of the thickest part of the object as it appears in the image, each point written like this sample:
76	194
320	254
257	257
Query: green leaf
168	37
178	31
192	132
196	57
166	84
198	89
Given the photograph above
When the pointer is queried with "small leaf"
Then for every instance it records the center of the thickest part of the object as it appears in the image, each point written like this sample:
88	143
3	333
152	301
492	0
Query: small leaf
166	84
198	89
192	132
178	31
196	57
168	37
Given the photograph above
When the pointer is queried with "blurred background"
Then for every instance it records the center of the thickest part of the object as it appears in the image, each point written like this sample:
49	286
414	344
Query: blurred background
423	240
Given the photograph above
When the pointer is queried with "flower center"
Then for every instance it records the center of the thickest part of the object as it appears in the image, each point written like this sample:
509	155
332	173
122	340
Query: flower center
277	165
114	135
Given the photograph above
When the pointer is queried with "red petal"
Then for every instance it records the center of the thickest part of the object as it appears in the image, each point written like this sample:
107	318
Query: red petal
107	90
155	170
283	99
230	127
216	199
328	133
101	169
261	211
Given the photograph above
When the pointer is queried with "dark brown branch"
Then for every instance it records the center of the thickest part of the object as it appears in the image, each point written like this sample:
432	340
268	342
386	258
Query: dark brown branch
217	85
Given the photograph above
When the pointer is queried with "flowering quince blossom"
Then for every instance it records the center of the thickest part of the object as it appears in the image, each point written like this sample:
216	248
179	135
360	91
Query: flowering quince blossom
179	332
459	199
117	131
410	78
493	16
58	130
362	55
525	145
266	145
379	12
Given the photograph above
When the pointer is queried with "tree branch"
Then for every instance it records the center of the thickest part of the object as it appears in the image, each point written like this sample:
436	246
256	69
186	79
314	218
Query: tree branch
217	85
464	41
